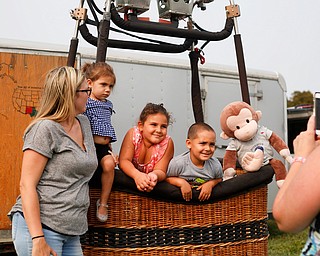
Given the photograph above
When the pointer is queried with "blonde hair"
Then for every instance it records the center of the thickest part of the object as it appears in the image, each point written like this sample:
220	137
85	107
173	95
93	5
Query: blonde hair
57	101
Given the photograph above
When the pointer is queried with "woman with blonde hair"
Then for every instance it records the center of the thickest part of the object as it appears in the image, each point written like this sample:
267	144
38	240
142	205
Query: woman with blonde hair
58	161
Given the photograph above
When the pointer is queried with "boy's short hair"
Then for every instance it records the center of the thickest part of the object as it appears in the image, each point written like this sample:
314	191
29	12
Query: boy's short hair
197	127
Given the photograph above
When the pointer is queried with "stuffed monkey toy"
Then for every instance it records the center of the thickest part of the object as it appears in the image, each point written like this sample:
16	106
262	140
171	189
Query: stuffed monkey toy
250	143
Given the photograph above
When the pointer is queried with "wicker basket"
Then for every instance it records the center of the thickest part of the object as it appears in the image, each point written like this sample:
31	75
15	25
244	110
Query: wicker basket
140	225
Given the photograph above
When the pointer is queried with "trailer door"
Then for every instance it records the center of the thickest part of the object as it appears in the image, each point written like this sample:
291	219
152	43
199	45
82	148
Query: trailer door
219	92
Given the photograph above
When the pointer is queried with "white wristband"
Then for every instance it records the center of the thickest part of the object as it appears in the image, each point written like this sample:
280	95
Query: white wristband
299	159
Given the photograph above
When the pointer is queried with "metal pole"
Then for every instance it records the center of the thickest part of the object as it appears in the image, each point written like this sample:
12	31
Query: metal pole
240	61
74	41
108	6
104	28
235	20
195	82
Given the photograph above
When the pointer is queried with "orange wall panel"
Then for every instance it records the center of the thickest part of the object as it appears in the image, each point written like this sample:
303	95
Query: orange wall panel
21	82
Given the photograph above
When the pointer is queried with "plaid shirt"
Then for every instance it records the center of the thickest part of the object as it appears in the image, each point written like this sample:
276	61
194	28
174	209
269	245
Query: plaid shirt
99	114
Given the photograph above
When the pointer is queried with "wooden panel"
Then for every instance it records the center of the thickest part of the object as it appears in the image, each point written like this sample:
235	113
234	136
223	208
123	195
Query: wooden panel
21	82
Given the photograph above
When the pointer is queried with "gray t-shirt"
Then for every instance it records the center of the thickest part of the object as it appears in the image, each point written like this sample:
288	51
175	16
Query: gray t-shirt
63	187
261	139
182	166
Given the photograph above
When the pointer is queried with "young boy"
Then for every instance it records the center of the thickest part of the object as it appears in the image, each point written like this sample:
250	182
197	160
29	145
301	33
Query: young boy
197	167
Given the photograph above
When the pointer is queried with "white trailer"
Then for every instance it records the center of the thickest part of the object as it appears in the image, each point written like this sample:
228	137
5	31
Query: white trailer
140	79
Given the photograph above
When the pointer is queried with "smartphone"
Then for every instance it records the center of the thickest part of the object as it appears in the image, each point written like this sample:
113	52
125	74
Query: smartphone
317	111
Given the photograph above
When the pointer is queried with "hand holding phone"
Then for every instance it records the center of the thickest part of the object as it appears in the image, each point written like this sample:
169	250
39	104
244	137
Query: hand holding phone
317	111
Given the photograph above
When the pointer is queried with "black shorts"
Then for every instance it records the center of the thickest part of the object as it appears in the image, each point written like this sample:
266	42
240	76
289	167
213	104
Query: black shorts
102	150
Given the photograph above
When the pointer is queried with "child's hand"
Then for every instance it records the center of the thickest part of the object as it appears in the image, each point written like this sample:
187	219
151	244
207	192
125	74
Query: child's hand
205	192
143	181
154	179
186	191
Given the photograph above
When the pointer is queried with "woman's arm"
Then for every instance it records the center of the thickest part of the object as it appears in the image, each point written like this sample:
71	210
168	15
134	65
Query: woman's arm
298	200
33	165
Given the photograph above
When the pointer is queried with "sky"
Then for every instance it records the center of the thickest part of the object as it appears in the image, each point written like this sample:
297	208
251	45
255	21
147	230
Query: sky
278	36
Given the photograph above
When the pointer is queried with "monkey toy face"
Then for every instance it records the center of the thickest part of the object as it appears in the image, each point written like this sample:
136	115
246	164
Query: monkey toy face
244	127
239	120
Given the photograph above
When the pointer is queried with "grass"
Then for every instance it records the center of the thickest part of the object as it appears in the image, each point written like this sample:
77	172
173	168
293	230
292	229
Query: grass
284	244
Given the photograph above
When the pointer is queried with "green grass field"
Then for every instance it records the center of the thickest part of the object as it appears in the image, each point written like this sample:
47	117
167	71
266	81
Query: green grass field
283	244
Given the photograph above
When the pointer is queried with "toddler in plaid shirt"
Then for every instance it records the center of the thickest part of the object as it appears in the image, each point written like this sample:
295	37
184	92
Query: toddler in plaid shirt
101	79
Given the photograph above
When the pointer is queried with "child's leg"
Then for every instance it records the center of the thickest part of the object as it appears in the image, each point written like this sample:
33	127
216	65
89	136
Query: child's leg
107	176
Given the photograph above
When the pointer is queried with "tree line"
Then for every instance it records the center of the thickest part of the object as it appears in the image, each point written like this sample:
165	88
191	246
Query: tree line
300	98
